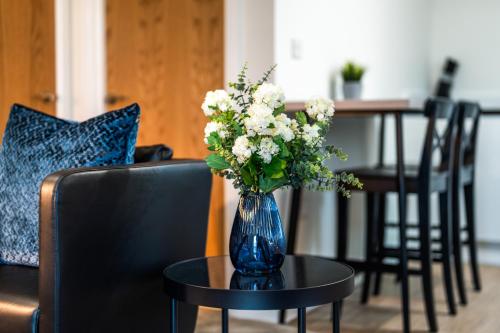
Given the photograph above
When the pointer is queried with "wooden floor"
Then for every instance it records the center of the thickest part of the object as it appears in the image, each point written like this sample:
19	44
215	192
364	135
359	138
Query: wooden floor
382	314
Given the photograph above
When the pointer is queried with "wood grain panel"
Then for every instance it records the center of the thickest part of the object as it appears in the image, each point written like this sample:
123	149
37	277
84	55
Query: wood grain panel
165	54
27	55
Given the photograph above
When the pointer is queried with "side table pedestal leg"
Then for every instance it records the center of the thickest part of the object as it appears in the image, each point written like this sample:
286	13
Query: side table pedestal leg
225	321
173	316
301	322
336	317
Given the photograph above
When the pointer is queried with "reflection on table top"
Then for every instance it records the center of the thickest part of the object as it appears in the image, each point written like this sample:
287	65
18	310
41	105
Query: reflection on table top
298	272
353	108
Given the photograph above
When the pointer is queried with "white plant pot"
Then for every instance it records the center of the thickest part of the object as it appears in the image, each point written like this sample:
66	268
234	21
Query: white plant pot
352	90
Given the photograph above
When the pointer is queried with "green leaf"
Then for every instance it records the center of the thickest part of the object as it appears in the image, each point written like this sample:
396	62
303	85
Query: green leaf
249	173
237	128
301	118
279	110
213	139
275	168
267	185
247	177
251	167
217	162
284	152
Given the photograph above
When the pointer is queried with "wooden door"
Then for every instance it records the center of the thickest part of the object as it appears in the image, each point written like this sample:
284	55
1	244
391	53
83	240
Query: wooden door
165	54
27	56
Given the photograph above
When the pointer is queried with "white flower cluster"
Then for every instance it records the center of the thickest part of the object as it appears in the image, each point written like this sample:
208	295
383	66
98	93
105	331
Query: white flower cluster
261	125
267	149
213	126
261	117
243	149
217	100
267	98
320	109
285	127
311	135
270	95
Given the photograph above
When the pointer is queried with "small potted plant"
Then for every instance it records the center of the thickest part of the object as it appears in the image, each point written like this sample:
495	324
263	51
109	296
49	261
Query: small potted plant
352	74
256	145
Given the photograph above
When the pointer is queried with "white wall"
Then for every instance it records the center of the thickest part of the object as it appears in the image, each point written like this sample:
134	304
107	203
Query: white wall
387	36
80	58
470	32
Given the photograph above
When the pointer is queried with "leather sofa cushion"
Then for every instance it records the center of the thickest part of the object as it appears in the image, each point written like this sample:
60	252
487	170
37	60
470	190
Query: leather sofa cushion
18	299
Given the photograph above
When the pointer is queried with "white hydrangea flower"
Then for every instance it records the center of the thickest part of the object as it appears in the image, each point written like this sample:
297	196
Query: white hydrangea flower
243	149
258	126
320	108
261	117
213	126
270	95
283	127
217	100
267	149
260	110
311	134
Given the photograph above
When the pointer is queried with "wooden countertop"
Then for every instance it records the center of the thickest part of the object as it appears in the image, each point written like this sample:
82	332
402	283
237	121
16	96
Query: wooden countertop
352	108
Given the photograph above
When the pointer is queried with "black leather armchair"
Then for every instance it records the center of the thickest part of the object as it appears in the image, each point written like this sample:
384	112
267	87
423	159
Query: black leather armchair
105	236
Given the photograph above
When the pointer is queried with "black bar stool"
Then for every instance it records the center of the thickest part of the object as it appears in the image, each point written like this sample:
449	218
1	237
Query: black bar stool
422	180
463	180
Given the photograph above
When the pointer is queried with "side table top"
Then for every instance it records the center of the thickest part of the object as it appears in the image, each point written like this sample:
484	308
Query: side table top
302	281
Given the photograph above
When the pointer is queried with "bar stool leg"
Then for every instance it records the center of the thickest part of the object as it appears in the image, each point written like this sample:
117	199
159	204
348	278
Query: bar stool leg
380	241
301	322
444	204
403	261
426	259
225	321
336	317
371	199
471	234
342	227
173	316
456	239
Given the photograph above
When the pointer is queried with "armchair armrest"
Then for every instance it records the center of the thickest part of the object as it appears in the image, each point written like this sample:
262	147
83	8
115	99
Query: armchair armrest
107	233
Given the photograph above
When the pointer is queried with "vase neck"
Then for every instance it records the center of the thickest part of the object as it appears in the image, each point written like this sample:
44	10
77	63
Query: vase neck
252	196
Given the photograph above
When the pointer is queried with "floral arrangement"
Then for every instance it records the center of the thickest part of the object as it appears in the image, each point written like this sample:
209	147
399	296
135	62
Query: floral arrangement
260	148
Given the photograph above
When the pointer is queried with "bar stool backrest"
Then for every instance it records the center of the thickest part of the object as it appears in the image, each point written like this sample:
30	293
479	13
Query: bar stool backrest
466	139
438	110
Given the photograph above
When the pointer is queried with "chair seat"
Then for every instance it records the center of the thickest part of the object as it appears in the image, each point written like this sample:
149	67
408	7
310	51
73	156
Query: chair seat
384	178
18	299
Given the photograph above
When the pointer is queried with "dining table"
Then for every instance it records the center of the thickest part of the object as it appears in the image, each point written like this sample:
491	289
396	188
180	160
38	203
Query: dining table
396	108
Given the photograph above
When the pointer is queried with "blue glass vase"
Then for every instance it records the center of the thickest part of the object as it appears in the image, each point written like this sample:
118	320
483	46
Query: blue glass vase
257	245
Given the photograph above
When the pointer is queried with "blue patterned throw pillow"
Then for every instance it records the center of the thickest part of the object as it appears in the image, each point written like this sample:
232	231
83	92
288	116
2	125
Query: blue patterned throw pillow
36	145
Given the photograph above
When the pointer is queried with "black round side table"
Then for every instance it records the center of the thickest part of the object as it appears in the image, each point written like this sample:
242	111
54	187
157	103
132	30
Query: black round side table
302	281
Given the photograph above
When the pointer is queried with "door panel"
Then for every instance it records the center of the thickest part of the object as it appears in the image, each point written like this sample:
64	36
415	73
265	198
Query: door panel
27	55
165	54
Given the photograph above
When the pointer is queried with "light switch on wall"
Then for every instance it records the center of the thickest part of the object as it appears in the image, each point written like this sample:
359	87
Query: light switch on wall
296	49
